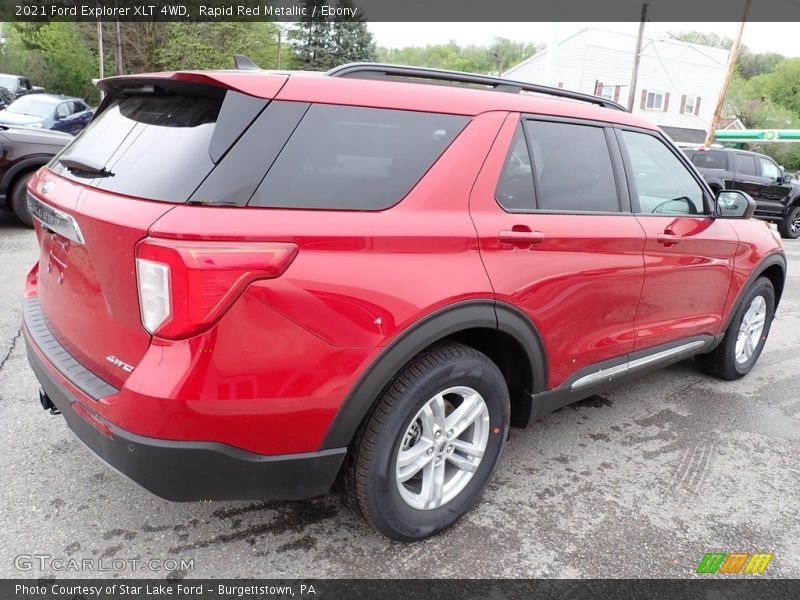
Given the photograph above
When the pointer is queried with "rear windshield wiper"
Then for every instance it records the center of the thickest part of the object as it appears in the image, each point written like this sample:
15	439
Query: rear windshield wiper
82	166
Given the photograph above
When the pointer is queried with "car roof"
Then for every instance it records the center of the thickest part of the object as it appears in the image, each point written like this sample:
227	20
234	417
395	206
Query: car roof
52	98
700	149
403	95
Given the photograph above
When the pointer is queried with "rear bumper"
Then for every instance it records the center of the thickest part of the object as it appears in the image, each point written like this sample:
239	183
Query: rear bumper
184	470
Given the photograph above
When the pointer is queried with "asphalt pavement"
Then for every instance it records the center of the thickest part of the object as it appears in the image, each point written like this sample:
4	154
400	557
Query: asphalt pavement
640	481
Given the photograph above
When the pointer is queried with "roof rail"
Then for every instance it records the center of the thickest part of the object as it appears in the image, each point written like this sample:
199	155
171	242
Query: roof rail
498	84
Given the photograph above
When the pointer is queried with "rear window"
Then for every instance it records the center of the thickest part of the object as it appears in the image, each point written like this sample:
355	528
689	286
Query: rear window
153	147
353	158
710	160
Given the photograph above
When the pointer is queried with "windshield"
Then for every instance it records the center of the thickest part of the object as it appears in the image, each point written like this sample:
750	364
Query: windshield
10	83
34	107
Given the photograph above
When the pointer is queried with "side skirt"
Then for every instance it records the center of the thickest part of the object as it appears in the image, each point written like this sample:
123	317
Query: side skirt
607	374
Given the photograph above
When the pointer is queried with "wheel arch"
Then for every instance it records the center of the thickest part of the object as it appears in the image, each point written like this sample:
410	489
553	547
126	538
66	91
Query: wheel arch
773	267
10	177
498	330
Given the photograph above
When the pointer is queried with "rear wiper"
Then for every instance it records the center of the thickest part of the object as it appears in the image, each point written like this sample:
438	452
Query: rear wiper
81	165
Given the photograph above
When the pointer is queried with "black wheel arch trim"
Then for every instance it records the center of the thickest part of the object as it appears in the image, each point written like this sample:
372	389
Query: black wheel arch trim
449	320
770	260
31	162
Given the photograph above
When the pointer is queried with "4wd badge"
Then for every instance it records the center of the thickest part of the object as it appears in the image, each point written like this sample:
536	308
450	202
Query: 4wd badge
118	363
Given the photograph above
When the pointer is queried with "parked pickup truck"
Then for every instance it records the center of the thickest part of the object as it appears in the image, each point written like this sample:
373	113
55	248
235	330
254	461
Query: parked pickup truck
777	194
18	85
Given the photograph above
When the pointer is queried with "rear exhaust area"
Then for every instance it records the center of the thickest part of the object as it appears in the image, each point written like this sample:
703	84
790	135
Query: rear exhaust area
47	404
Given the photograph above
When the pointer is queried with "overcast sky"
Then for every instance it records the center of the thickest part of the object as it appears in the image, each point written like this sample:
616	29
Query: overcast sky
759	37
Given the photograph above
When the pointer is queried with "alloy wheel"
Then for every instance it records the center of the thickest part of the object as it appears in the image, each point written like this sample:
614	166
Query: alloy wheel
442	448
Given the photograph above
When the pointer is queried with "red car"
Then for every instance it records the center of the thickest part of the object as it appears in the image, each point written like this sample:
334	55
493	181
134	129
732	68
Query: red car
255	284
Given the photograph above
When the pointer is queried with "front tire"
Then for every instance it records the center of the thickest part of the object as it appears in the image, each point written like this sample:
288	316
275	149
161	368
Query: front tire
746	335
431	444
790	226
19	199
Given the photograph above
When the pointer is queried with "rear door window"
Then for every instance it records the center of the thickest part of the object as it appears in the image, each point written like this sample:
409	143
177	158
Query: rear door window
746	164
515	190
353	158
572	166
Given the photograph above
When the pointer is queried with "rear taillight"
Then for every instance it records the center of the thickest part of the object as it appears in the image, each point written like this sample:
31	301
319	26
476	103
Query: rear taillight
154	300
186	286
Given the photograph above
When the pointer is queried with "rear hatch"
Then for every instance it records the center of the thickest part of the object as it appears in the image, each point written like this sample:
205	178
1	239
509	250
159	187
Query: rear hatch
151	146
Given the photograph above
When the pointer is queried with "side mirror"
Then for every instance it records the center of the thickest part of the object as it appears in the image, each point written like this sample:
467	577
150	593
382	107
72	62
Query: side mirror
734	204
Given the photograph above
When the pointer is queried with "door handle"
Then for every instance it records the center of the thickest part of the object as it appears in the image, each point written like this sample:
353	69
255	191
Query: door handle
515	236
668	239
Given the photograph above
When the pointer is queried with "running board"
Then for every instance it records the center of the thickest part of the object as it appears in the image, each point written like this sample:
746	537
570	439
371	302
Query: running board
607	375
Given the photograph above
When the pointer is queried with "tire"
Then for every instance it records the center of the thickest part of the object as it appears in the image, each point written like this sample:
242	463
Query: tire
404	419
790	226
730	360
19	199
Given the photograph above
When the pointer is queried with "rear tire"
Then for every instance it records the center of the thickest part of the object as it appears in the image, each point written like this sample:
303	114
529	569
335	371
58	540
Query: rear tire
410	473
747	332
790	226
19	199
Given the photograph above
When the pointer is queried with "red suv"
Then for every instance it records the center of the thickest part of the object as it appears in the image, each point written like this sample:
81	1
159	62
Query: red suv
256	284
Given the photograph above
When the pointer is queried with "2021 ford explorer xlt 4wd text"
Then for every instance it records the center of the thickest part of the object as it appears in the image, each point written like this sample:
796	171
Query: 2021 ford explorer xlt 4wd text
256	285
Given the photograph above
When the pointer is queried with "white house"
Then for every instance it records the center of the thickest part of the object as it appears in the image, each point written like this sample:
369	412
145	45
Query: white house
678	83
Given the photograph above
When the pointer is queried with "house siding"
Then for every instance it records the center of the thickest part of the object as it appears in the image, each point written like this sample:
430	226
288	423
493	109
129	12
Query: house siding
679	69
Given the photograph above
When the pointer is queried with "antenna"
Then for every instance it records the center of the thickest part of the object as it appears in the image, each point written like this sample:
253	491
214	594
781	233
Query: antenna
243	63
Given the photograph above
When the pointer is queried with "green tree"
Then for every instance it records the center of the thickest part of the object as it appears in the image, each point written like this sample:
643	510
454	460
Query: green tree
782	84
53	55
321	43
351	41
748	64
311	39
704	38
751	65
212	45
497	57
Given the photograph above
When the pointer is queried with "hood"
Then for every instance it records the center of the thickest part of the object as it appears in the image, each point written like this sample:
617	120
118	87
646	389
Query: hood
18	119
34	135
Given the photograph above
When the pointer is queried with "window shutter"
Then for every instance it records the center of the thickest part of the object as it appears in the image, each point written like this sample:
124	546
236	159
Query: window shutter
697	105
683	103
666	101
616	93
598	89
643	103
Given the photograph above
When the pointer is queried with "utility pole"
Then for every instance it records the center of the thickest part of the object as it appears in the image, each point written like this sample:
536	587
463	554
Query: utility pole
635	73
499	62
117	45
280	35
100	46
734	53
